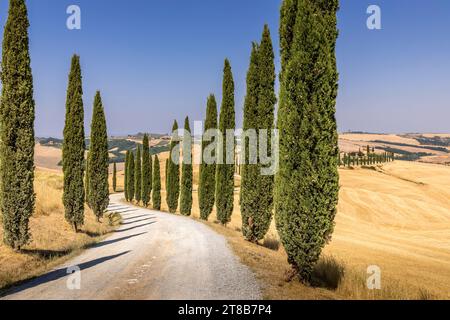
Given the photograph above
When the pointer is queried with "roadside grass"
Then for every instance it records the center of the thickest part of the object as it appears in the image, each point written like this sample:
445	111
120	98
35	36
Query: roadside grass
53	239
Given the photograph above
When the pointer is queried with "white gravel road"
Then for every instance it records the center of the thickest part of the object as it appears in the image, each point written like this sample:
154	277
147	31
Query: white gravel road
153	255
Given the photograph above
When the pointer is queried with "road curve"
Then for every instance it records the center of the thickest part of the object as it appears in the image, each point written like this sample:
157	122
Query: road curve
153	255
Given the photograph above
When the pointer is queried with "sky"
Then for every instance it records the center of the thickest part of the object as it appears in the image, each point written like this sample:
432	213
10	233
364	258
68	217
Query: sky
157	60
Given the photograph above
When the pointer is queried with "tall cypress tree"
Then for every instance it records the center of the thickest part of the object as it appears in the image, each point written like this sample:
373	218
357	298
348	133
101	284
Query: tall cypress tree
173	171
257	188
86	180
138	175
166	174
130	176
114	178
156	195
207	181
16	129
99	160
187	173
307	183
146	171
74	149
225	167
125	179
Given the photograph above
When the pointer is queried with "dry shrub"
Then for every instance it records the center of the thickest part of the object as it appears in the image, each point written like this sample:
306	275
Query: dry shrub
271	242
328	273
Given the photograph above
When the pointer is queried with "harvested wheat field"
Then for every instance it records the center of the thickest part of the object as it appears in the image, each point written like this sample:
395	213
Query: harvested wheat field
395	216
47	157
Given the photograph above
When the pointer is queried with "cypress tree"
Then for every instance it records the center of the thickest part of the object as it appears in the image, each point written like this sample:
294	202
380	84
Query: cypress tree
130	177
187	173
225	171
207	183
114	178
307	182
156	195
86	180
166	174
146	171
16	129
173	172
138	175
125	182
99	160
74	149
257	189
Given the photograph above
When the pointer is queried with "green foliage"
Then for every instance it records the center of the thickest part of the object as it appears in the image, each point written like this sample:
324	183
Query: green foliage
125	179
257	189
114	178
16	129
86	180
207	183
74	148
166	174
307	183
156	195
99	160
138	175
146	171
173	172
224	171
187	173
130	177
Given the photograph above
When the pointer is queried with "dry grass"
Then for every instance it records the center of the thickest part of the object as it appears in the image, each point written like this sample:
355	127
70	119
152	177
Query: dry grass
53	240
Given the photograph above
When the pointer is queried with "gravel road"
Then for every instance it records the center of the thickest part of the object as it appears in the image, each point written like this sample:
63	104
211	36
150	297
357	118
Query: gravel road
153	255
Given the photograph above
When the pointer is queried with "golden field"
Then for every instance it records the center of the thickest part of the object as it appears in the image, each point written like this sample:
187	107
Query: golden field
395	216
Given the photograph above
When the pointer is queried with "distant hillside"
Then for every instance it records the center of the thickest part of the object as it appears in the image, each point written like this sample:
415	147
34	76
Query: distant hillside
430	148
117	146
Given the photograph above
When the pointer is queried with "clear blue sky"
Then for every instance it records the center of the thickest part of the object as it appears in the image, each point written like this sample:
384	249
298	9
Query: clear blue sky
156	60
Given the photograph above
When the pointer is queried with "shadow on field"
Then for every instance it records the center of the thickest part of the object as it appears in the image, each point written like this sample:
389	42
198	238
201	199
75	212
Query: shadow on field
57	274
46	254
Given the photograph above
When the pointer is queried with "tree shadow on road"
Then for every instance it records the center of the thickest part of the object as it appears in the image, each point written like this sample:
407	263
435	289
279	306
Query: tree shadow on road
135	227
55	275
107	242
132	222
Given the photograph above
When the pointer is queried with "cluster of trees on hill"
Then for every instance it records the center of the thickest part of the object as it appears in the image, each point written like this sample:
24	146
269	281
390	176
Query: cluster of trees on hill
17	114
365	159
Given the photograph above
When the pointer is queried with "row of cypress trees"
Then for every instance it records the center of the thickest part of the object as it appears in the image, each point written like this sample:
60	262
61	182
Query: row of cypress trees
17	114
142	176
85	180
216	181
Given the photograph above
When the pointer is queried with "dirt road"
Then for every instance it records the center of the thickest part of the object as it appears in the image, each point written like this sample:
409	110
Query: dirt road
153	255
